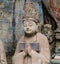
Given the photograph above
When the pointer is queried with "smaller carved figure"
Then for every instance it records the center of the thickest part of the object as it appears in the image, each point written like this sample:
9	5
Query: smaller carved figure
51	37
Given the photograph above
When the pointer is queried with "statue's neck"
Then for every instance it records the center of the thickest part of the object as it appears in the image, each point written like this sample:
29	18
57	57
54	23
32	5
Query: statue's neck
30	35
30	38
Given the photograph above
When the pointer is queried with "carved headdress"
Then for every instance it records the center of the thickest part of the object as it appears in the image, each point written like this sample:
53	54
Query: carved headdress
30	12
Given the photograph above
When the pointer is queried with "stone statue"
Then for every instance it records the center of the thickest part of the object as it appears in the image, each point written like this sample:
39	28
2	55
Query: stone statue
2	54
33	47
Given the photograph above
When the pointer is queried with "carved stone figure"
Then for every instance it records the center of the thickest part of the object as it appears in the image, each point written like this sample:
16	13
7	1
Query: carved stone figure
33	47
2	54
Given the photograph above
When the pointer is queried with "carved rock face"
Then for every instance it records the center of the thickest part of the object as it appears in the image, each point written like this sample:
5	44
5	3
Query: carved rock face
30	26
55	7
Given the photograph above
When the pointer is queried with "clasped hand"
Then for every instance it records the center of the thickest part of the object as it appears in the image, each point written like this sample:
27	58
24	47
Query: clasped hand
27	49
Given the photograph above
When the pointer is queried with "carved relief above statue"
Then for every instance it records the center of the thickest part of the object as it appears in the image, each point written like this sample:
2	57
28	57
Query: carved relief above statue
5	16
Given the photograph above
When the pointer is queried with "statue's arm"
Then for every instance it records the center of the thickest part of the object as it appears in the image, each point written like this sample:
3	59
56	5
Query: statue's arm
17	48
44	50
18	45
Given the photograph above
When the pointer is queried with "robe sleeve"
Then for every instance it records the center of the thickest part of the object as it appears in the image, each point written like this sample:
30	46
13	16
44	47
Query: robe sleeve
44	50
18	46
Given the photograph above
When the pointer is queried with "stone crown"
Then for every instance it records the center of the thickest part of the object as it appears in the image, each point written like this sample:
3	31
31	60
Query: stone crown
30	12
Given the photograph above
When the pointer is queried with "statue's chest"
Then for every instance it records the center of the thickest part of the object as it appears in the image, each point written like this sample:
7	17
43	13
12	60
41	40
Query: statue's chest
34	46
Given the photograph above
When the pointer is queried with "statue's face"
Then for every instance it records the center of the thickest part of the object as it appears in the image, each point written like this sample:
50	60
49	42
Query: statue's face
30	27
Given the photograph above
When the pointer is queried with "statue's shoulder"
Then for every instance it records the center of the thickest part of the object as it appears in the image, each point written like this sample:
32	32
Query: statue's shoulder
1	45
21	39
40	35
1	42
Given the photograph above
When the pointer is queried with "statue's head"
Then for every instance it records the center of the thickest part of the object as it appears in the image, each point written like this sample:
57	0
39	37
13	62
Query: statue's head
48	30
30	18
30	26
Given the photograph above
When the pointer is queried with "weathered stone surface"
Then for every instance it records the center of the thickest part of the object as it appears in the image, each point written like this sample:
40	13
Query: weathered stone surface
19	13
6	22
